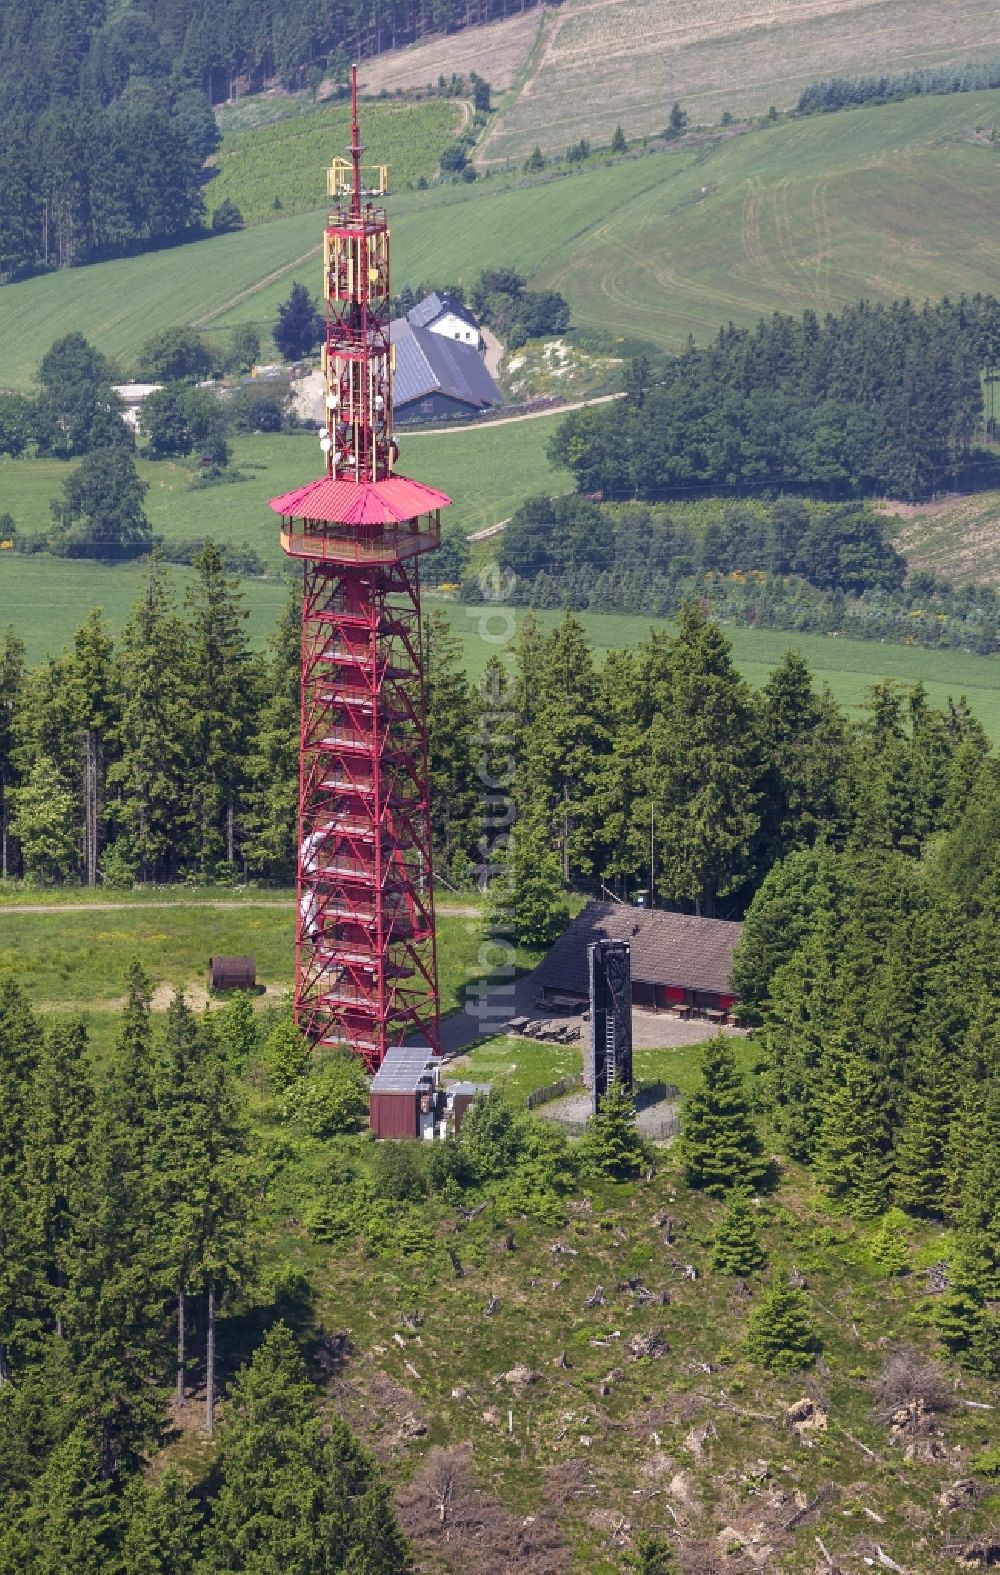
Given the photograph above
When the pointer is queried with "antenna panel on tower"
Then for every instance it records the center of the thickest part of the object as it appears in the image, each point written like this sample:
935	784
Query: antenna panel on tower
340	179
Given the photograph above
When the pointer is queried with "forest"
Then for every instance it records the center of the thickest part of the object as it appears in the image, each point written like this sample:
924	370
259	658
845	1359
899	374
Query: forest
171	1196
878	400
173	754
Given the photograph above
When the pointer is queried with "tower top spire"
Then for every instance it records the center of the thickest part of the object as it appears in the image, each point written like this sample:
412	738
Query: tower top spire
356	147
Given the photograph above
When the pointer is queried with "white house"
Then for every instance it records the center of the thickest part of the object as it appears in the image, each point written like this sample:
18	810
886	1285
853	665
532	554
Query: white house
445	316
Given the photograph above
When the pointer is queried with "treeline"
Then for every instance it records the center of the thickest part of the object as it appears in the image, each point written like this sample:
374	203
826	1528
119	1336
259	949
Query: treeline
974	76
82	183
877	400
173	753
63	50
792	564
127	1225
176	754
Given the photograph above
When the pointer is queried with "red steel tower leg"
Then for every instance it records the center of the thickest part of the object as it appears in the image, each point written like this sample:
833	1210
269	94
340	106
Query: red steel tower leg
365	959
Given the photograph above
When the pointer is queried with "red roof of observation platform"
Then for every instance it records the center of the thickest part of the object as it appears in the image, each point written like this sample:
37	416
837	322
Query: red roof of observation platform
360	503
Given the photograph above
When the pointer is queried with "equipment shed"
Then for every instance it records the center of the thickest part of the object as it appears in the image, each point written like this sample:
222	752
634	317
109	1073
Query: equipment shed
404	1093
678	960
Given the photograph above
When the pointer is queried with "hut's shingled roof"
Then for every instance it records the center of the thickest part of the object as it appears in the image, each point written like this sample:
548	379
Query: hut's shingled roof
667	948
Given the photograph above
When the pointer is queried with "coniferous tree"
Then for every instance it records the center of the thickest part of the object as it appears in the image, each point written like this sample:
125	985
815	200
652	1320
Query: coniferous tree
457	793
236	1030
164	1527
56	1153
294	1495
12	676
702	770
147	781
221	690
737	1247
612	1144
780	1334
273	760
561	744
719	1145
96	711
20	1285
850	1158
299	326
72	1521
526	899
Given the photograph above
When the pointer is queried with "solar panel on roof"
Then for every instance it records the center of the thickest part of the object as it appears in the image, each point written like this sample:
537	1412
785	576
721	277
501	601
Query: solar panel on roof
403	1070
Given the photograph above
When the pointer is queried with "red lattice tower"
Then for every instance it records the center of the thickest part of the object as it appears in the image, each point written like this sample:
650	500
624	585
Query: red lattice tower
365	960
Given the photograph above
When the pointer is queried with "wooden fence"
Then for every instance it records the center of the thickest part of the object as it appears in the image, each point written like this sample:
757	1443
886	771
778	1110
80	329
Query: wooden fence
565	1085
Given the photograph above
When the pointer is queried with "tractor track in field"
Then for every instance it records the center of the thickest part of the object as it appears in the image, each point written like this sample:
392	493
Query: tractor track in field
254	289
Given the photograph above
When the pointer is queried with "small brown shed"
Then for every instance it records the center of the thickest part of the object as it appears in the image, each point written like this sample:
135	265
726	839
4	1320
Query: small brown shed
403	1094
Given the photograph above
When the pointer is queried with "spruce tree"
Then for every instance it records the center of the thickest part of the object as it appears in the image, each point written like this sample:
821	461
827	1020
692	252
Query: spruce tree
164	1527
456	789
202	1181
12	676
221	690
73	1520
703	774
737	1247
147	782
612	1145
56	1153
562	743
780	1334
273	759
850	1159
96	713
527	897
20	1284
295	1495
719	1145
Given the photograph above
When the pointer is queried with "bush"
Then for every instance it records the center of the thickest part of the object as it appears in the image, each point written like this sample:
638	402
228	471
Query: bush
284	1054
453	158
490	1136
332	1098
398	1171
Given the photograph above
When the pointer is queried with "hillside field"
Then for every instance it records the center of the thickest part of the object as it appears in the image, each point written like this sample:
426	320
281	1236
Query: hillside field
591	72
488	472
282	167
882	202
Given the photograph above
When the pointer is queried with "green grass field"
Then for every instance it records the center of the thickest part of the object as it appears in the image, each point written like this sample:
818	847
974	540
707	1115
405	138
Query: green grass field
288	161
880	202
488	473
75	961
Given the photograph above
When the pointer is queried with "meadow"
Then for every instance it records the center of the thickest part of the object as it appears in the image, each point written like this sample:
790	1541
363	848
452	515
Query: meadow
72	956
884	201
282	167
587	75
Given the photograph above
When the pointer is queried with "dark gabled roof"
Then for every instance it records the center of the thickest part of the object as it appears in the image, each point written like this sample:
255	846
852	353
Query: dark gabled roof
436	305
667	948
428	363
